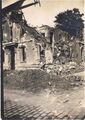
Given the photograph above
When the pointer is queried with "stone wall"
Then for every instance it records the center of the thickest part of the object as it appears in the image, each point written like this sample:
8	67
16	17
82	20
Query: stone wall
32	56
31	51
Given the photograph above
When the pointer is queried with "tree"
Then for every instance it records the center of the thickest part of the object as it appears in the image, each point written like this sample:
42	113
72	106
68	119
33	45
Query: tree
71	22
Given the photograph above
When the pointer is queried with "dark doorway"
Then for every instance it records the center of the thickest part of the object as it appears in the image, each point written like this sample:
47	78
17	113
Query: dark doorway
12	58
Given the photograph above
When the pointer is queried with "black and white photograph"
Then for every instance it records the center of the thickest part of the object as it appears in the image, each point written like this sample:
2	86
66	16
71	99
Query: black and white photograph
43	59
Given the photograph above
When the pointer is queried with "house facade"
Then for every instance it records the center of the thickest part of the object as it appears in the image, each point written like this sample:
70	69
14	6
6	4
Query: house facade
23	46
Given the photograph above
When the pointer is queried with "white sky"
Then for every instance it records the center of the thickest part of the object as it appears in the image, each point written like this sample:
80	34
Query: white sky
45	14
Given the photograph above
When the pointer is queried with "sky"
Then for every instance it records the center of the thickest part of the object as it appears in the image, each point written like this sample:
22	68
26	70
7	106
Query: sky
45	15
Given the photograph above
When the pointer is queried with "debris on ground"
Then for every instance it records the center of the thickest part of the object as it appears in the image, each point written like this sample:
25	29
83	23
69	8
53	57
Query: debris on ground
56	77
64	69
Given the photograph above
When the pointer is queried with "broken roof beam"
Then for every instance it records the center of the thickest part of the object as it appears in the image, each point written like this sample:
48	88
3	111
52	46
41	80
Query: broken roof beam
17	6
28	5
14	6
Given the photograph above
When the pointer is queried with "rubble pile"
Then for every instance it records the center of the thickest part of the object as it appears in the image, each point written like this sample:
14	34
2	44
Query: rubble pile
39	80
64	69
62	53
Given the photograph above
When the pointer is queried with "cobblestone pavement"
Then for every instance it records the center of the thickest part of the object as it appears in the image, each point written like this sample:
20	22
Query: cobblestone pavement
65	105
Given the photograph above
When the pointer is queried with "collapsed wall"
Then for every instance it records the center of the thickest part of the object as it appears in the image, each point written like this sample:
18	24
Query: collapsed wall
67	48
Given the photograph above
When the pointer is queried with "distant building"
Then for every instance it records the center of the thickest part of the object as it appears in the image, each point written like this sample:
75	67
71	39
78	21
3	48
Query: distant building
48	32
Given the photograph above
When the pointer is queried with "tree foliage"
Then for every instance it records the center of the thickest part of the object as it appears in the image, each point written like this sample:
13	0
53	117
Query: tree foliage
71	21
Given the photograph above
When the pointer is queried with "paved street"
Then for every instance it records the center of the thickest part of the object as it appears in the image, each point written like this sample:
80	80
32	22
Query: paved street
44	106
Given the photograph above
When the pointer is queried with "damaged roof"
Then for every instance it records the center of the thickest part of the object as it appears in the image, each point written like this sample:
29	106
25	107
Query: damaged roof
15	17
12	7
17	6
34	33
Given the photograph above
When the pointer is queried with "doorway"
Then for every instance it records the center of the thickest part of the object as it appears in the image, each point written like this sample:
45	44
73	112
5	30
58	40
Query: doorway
12	58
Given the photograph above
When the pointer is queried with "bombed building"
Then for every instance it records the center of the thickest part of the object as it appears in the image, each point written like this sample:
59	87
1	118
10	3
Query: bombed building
48	33
67	48
60	47
26	47
23	46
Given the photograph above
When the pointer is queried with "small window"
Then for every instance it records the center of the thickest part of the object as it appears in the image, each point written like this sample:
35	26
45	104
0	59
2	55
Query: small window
23	54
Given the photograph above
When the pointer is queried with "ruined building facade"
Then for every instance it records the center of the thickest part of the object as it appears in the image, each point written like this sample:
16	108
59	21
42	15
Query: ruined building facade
67	48
23	46
60	47
48	33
